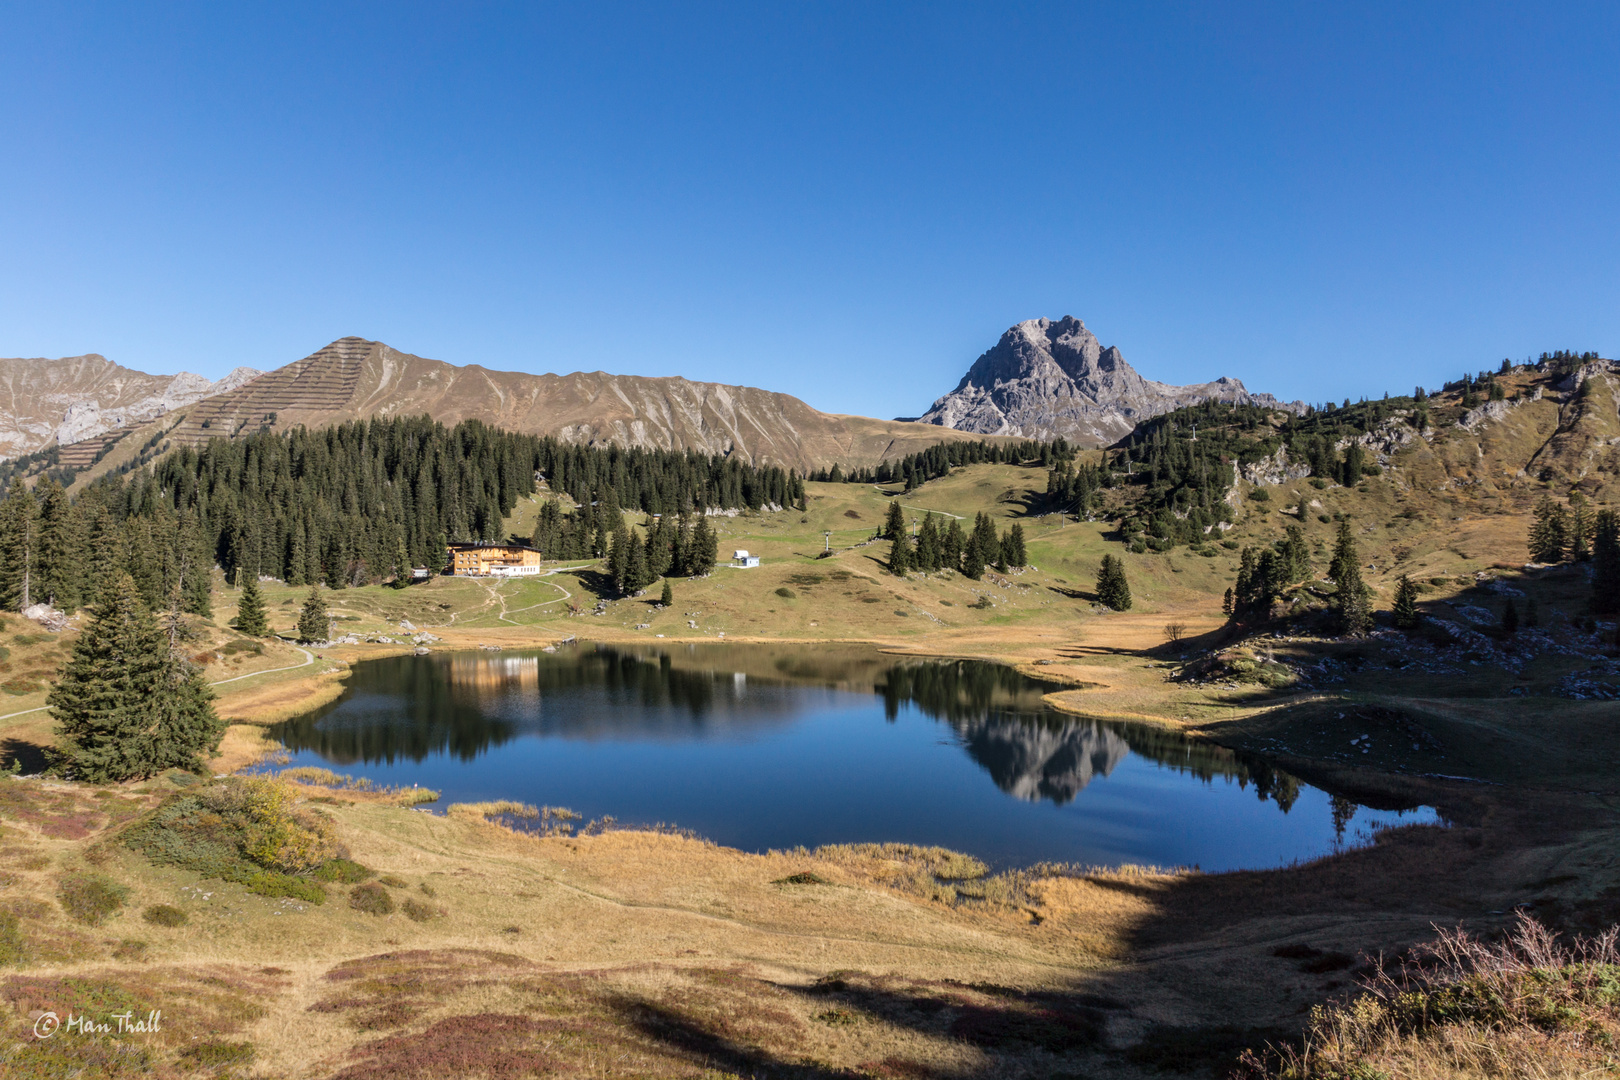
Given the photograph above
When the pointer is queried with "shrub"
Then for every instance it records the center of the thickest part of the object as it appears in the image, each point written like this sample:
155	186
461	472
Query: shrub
129	949
1229	545
11	941
786	593
165	915
1318	483
416	911
394	882
1260	495
342	872
427	890
372	899
246	831
19	687
802	878
216	1055
90	898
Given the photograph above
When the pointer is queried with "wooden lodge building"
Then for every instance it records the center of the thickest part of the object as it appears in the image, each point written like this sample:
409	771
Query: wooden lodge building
493	558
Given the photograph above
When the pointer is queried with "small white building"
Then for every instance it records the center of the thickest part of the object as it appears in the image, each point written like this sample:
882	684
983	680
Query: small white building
742	559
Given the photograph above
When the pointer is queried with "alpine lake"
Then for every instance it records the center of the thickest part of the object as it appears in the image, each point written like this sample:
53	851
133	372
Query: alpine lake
774	746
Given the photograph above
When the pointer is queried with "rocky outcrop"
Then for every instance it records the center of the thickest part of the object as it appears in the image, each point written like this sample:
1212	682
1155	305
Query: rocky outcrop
75	398
1046	379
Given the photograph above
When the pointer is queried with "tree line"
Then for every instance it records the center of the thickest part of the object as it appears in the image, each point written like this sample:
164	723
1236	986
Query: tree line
1574	533
938	460
936	548
348	505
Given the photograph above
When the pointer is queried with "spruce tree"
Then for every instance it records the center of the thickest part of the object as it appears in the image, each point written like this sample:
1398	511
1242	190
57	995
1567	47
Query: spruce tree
401	567
705	548
900	554
250	618
929	557
894	527
952	546
1406	612
1549	533
1606	563
1580	529
1019	556
667	598
195	567
19	548
1113	590
618	560
110	696
986	539
636	575
1226	603
313	622
1352	601
1344	554
972	559
61	547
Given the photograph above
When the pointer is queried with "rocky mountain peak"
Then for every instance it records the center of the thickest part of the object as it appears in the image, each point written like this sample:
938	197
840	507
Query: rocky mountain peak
1047	378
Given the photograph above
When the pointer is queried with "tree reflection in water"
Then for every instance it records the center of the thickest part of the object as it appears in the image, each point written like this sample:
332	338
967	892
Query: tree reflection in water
467	704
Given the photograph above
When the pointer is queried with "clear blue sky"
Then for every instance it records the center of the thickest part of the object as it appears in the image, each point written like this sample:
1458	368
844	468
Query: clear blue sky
845	202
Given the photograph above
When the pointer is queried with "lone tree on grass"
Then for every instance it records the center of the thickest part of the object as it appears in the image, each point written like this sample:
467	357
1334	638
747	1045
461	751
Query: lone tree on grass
313	622
1407	615
1112	588
129	704
250	618
667	598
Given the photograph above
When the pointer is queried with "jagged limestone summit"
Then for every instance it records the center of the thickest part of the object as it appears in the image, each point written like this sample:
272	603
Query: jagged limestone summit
1047	379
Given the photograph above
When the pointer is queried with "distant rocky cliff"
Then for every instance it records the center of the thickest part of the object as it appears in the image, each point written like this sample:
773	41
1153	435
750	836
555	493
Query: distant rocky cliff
1046	379
75	398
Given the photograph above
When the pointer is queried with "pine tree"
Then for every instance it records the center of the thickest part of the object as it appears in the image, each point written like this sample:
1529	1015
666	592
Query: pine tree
1549	533
952	546
929	552
195	569
402	566
636	575
1406	612
1344	554
19	548
1606	563
705	548
1019	554
900	557
1352	601
972	558
1580	530
313	622
667	598
250	618
894	527
985	539
108	701
1112	588
61	545
1226	604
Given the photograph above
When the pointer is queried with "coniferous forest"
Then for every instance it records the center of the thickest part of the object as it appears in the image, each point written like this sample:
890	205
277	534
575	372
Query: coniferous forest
342	506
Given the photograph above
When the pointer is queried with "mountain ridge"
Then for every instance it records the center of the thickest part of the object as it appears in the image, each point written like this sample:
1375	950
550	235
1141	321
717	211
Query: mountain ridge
354	378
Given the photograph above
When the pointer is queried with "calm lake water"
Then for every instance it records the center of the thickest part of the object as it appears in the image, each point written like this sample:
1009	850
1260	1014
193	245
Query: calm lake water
763	747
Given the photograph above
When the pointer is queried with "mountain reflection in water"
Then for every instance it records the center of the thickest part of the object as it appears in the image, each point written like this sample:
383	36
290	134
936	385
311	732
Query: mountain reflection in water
467	704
